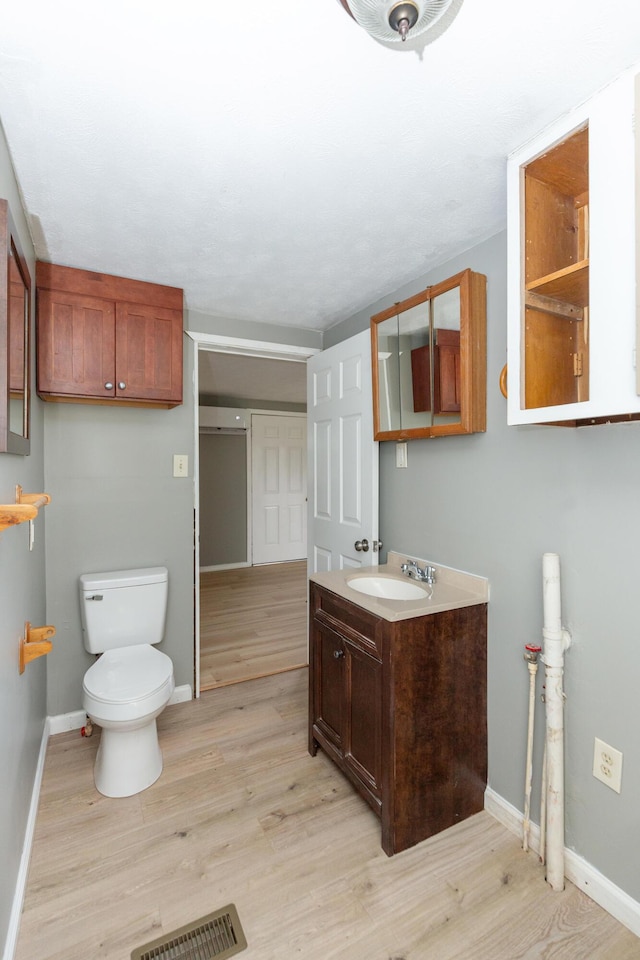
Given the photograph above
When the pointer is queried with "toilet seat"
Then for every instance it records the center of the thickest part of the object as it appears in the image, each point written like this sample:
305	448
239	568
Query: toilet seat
127	683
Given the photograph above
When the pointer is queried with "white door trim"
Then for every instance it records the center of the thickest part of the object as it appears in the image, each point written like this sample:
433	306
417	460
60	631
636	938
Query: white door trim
222	344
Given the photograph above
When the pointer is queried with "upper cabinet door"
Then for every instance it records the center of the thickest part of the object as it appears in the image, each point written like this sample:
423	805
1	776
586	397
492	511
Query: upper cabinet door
76	345
148	353
571	269
429	362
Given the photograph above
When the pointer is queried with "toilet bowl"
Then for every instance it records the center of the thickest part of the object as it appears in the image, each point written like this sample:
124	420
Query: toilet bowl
123	616
124	692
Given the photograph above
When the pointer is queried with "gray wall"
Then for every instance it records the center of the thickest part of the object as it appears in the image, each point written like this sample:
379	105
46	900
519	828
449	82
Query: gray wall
109	471
223	499
22	698
492	504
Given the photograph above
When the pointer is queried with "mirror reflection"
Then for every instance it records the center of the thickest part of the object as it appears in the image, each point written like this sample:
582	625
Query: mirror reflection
15	299
422	362
18	326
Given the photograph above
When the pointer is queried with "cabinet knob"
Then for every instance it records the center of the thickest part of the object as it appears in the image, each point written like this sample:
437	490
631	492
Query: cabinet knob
361	545
338	654
108	385
121	385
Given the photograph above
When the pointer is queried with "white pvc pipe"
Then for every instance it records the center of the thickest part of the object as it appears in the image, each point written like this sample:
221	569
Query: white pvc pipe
531	657
543	807
555	641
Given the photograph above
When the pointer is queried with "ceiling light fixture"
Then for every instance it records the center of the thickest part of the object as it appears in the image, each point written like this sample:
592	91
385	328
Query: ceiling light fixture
391	23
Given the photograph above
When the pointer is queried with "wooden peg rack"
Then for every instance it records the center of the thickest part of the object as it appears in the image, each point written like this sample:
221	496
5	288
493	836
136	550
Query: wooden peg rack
35	643
25	508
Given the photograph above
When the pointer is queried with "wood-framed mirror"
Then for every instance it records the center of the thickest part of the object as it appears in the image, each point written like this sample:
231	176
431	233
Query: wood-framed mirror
429	362
15	327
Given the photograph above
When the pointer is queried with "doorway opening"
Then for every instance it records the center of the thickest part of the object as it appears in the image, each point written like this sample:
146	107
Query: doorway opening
250	604
253	622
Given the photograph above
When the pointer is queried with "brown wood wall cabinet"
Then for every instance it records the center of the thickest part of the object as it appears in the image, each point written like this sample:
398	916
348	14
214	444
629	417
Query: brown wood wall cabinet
106	339
429	362
400	707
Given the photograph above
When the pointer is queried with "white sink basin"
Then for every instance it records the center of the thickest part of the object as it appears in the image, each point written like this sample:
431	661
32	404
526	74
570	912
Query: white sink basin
389	588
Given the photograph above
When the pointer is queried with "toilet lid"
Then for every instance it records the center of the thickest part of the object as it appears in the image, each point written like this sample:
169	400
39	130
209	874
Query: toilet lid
128	673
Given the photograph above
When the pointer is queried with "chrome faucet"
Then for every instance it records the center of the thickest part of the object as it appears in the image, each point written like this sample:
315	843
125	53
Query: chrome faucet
411	569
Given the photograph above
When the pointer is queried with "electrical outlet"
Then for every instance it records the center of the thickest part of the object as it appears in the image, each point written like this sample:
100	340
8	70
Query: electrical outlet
607	765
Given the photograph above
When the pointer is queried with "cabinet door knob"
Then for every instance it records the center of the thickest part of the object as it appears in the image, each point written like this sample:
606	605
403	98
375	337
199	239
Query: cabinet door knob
361	545
338	654
108	385
121	385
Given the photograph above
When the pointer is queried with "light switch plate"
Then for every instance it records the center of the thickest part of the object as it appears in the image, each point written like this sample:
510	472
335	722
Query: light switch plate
180	465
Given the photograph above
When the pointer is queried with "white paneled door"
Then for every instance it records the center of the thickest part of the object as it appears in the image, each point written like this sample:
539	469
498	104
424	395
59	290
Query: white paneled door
279	488
343	458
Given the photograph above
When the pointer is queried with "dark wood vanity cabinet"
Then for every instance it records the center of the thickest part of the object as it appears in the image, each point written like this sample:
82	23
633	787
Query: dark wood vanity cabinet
107	339
401	709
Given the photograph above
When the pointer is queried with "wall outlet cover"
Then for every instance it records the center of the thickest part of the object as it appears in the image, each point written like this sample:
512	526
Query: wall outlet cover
607	765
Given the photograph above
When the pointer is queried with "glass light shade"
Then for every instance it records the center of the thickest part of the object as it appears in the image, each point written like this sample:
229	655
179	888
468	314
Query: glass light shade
434	16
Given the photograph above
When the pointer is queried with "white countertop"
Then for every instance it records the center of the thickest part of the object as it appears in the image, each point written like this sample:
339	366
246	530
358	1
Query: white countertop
452	588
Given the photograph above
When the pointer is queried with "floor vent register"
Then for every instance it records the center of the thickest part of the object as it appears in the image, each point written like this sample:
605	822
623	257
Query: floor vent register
217	935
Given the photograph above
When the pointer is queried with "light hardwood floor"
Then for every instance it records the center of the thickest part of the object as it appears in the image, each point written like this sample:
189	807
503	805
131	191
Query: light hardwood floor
242	814
253	622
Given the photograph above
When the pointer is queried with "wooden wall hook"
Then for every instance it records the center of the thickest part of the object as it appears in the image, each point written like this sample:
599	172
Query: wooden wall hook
35	643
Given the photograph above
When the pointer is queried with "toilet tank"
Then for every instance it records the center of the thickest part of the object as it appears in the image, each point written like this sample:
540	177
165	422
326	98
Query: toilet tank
122	608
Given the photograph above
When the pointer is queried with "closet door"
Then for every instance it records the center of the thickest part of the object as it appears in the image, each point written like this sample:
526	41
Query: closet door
279	488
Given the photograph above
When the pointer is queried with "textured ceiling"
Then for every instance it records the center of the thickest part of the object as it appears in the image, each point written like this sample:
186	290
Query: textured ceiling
270	157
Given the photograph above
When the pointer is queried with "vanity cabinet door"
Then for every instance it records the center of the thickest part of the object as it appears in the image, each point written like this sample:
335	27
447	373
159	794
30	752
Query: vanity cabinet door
328	684
363	720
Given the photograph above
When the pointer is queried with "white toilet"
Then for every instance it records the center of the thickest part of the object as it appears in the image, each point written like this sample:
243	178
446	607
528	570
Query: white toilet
123	614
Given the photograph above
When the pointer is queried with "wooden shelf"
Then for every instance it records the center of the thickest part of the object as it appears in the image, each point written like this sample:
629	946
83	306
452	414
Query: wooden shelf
34	644
570	285
25	508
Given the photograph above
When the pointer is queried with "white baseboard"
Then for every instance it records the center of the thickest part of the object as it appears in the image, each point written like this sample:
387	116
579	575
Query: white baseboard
63	722
581	873
181	694
75	720
23	870
225	566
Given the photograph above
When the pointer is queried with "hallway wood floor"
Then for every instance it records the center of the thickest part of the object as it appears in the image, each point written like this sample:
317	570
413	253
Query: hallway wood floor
242	814
253	622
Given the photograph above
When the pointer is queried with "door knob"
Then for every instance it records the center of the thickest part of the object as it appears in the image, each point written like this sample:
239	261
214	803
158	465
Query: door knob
338	654
376	545
361	545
